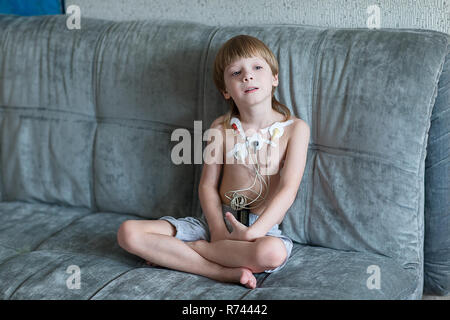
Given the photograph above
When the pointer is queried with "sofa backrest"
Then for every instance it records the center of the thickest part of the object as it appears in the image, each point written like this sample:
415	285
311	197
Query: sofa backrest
367	96
437	192
87	116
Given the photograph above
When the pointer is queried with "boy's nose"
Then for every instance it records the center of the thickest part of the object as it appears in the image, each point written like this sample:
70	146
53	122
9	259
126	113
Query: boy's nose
248	77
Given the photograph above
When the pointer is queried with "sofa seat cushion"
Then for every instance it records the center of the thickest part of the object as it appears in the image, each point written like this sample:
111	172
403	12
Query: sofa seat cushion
44	274
95	234
311	273
323	273
24	226
39	251
150	283
35	265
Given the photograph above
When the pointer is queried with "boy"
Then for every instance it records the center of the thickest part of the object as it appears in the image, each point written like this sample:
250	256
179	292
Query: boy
240	242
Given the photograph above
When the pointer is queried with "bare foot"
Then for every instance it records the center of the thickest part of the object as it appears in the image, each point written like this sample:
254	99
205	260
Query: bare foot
247	278
240	275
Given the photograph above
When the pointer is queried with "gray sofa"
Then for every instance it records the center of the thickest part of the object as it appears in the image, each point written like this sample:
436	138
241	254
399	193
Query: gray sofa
86	118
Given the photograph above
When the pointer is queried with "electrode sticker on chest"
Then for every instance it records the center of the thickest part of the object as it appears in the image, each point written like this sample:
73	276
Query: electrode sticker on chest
250	146
256	141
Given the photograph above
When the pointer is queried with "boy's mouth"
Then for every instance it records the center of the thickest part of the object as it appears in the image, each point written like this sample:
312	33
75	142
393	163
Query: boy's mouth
251	89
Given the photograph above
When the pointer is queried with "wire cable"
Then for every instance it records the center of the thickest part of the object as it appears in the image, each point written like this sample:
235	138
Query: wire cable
238	200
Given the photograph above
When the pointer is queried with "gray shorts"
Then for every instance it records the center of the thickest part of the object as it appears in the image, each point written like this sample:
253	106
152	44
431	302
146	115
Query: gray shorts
193	229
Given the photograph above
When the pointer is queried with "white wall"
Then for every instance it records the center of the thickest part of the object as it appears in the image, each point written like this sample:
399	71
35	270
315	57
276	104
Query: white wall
421	14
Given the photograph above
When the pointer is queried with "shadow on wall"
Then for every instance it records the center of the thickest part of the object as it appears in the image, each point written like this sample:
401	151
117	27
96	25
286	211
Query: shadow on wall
32	7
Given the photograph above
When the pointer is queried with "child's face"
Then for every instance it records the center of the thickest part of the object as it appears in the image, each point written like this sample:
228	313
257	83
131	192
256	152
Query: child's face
244	73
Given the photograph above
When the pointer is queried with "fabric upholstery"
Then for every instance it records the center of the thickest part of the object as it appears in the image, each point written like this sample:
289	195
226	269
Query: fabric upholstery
437	192
86	118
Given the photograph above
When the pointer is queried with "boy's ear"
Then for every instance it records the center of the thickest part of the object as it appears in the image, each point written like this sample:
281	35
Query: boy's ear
226	94
275	80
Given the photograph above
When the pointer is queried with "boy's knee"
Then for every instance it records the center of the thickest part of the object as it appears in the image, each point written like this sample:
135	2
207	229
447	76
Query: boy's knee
126	235
270	253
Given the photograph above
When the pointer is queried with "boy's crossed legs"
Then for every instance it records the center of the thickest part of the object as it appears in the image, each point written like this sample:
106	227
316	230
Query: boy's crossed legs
225	260
262	254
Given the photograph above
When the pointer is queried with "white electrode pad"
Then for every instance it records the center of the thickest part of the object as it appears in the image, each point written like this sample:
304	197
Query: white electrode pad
255	142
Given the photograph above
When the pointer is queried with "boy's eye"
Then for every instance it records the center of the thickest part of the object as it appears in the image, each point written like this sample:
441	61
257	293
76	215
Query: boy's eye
237	72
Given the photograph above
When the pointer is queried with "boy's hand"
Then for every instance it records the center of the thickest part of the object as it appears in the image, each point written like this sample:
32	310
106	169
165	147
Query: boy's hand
240	231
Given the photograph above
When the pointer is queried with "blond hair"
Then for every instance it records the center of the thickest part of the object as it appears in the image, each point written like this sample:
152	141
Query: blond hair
244	46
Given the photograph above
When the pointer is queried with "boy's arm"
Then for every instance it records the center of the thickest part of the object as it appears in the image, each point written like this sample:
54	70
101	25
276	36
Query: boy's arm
209	182
212	208
289	182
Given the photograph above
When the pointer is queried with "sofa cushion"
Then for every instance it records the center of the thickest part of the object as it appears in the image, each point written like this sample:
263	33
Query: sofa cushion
437	192
46	156
311	273
367	96
24	226
108	272
317	273
149	283
95	234
47	105
45	275
153	71
94	129
39	270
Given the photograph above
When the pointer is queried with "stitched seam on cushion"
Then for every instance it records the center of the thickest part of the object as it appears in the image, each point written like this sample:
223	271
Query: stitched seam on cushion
206	55
4	108
313	146
442	136
201	109
92	180
27	278
310	168
112	120
443	160
95	85
90	254
314	80
259	284
13	256
108	282
245	294
63	228
440	113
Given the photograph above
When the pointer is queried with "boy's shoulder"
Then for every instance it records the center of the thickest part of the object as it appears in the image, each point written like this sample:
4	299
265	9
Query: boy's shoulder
218	122
300	123
300	130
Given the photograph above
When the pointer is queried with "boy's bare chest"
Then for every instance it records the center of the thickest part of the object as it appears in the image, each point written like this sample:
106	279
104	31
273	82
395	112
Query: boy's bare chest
261	151
240	174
